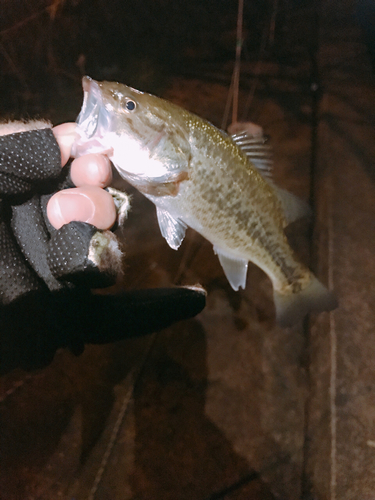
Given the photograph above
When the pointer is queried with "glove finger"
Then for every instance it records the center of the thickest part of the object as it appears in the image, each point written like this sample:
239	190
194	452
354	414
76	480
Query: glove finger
28	159
138	312
81	254
16	276
75	260
35	325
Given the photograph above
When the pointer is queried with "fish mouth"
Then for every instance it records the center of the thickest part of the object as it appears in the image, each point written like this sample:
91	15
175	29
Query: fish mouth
93	120
88	118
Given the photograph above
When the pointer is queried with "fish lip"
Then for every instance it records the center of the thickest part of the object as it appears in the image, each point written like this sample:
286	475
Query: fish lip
86	83
88	118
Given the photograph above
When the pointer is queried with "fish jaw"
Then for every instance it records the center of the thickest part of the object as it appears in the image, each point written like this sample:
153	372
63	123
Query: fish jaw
93	122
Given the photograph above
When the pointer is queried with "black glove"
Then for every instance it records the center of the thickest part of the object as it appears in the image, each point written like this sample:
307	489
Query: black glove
46	274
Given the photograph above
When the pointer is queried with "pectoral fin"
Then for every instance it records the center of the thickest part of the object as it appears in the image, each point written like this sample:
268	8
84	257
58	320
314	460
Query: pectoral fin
235	269
173	230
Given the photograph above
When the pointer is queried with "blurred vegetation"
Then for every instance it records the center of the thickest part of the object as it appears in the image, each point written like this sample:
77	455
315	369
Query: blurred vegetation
47	45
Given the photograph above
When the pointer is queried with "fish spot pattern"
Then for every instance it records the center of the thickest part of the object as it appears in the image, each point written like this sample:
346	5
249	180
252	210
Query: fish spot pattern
251	225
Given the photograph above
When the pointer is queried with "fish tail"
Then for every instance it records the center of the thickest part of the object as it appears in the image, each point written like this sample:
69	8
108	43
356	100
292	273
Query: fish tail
292	307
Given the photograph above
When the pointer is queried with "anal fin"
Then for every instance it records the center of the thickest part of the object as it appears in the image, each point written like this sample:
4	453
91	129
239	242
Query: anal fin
173	230
234	269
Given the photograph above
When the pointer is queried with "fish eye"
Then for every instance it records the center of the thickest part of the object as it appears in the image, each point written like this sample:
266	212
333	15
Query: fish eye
130	105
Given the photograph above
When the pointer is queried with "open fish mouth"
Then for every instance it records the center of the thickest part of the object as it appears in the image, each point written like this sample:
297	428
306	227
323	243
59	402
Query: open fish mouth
93	122
88	118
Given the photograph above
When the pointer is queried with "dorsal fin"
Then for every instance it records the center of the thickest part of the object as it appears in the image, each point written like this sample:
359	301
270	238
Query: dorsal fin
294	208
260	154
257	150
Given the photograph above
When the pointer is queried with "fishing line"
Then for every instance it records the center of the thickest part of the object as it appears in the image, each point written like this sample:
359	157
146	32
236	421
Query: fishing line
227	105
271	38
235	81
268	36
237	65
263	44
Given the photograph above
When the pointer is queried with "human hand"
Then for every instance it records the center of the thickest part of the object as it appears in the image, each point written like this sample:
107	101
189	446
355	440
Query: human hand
87	202
56	246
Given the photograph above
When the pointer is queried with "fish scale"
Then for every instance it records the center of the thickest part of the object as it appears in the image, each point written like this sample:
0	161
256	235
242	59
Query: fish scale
197	176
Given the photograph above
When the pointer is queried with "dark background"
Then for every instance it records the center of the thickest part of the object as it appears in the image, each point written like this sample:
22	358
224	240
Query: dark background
46	46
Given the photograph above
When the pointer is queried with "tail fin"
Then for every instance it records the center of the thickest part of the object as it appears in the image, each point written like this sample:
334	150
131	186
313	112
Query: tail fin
293	307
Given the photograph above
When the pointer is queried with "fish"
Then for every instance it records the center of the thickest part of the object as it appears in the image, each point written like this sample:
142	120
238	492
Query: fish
200	177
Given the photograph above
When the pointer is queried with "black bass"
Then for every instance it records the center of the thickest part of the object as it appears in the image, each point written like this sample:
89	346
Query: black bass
200	177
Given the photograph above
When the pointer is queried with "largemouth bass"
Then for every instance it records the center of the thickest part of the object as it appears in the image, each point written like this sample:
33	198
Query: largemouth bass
200	177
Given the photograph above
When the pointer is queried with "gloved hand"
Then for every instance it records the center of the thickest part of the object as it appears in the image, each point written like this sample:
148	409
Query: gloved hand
48	263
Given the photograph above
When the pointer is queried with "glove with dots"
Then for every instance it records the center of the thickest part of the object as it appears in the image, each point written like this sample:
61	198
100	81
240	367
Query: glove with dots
46	274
